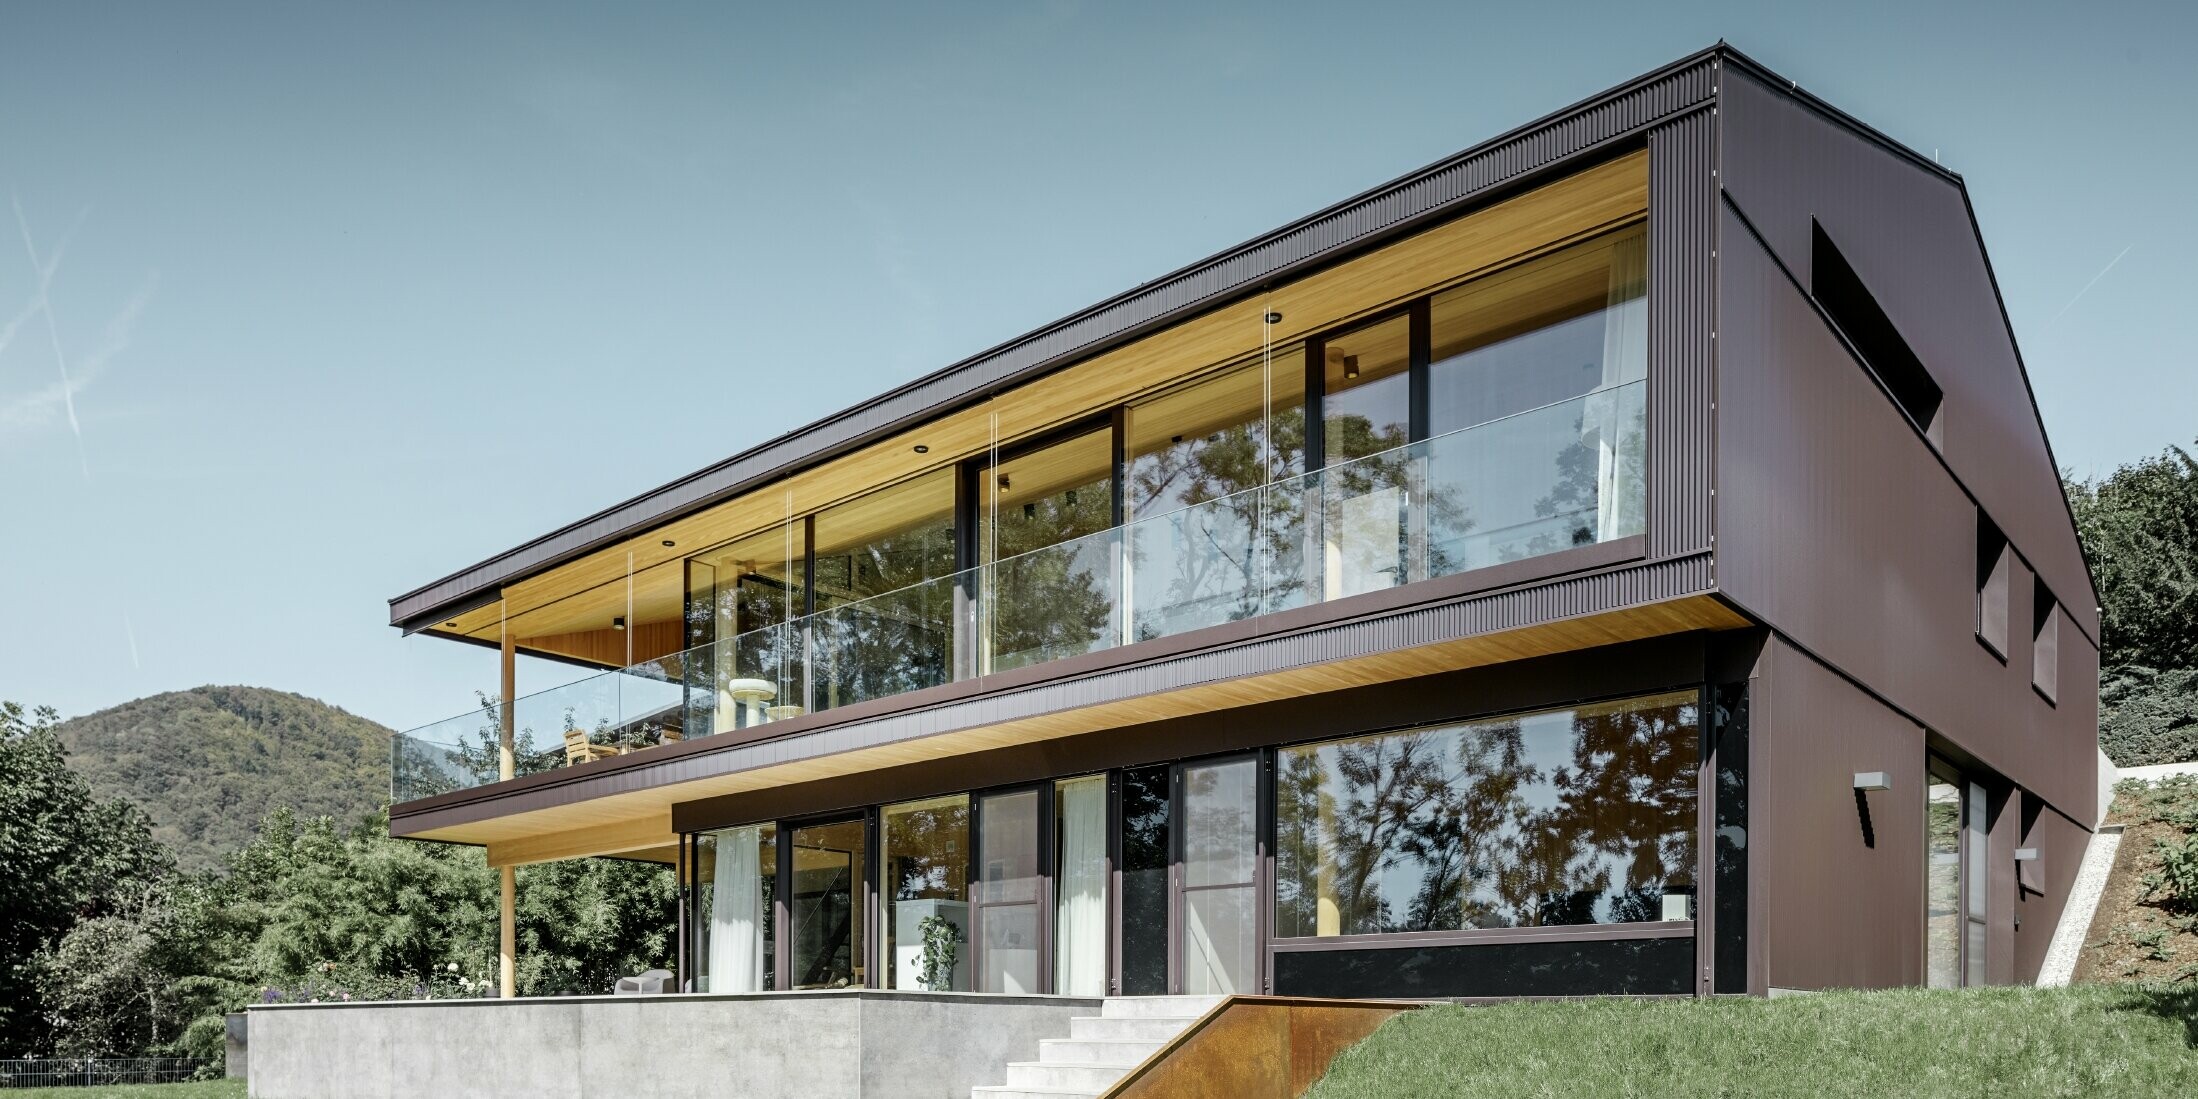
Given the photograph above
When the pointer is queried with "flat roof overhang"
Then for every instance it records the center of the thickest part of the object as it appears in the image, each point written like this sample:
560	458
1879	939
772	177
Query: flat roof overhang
1542	150
1581	599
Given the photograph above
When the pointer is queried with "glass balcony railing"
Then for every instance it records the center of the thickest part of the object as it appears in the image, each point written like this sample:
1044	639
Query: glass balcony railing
1563	475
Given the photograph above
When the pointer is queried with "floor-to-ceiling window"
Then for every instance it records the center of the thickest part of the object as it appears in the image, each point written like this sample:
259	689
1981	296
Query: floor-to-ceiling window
1220	912
825	905
735	871
923	884
743	666
885	593
1211	494
1148	850
1045	535
1080	892
1535	400
1010	891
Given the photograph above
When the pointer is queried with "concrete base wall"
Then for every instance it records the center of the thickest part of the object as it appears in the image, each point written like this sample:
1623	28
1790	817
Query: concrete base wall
856	1044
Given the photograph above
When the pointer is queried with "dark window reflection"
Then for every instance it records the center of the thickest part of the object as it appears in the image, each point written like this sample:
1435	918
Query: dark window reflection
1145	842
1576	816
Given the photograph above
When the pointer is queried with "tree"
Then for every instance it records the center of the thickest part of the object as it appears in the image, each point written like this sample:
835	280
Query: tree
2139	527
65	857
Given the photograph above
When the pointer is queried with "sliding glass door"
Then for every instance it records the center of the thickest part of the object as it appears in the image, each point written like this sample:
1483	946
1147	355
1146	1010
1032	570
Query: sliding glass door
825	868
1218	918
1009	891
1956	824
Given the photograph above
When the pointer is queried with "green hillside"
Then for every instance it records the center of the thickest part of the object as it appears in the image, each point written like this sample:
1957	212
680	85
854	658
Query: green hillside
208	763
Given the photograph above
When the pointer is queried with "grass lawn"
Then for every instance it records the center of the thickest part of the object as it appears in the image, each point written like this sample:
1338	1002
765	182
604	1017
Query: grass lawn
210	1089
2088	1040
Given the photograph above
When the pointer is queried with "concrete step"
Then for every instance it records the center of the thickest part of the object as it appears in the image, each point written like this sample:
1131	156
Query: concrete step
1068	1075
1153	1028
1003	1091
1145	1007
1095	1051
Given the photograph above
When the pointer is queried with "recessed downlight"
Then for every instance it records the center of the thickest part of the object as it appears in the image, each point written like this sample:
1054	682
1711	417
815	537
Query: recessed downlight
922	449
668	543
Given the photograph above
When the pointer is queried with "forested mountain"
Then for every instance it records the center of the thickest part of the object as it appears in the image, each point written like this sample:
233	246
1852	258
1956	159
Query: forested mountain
208	763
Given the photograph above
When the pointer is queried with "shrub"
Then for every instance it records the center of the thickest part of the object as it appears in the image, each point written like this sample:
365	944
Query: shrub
2148	717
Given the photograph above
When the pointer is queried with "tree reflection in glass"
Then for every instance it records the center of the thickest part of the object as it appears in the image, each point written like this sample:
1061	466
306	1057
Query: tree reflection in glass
1561	817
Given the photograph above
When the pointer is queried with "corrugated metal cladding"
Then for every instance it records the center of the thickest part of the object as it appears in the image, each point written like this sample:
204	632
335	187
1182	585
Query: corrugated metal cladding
1590	593
1682	293
1440	191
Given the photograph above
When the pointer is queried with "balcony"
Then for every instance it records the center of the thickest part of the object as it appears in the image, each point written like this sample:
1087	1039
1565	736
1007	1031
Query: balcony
1553	478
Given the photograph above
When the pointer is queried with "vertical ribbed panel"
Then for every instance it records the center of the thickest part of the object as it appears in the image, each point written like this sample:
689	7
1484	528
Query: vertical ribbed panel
1682	288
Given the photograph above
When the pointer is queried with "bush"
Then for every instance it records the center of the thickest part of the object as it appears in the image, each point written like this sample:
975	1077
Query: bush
2148	717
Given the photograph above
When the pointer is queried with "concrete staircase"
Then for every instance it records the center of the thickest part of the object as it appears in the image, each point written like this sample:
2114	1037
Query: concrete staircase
1100	1049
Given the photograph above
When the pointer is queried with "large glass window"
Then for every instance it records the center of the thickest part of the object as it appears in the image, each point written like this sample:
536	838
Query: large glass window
923	880
1044	533
741	598
1218	436
885	594
1535	407
1576	816
1216	515
735	870
1366	394
1548	330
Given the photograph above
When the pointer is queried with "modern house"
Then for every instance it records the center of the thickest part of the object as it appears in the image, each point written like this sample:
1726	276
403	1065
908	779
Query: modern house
1623	557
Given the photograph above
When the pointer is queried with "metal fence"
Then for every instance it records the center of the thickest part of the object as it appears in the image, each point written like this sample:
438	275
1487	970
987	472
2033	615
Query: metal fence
89	1071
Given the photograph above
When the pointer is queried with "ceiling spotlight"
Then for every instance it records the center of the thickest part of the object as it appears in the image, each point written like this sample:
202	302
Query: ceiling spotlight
922	449
452	622
618	623
1350	366
1274	318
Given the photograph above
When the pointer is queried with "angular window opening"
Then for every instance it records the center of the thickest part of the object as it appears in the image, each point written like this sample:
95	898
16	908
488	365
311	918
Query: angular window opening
1852	307
2045	642
1994	565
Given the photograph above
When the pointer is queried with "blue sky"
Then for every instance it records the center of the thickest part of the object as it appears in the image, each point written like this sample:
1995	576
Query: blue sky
348	298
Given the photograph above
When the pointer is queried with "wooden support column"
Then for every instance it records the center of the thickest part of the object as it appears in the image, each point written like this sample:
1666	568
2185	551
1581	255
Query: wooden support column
507	929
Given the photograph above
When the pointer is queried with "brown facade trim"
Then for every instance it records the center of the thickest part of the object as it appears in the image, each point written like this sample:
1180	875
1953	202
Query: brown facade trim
1074	684
1436	193
1616	671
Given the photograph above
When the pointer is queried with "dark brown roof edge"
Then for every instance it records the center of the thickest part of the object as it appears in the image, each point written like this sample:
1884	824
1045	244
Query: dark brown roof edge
861	423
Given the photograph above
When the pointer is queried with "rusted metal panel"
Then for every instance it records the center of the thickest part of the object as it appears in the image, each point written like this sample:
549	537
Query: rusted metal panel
1256	1047
1438	192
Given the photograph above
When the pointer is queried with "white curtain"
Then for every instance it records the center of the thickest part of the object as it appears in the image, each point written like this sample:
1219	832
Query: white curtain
1613	407
1081	937
736	912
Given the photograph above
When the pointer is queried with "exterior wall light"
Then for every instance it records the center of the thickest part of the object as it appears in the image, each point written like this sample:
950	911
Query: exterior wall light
2026	854
1873	780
